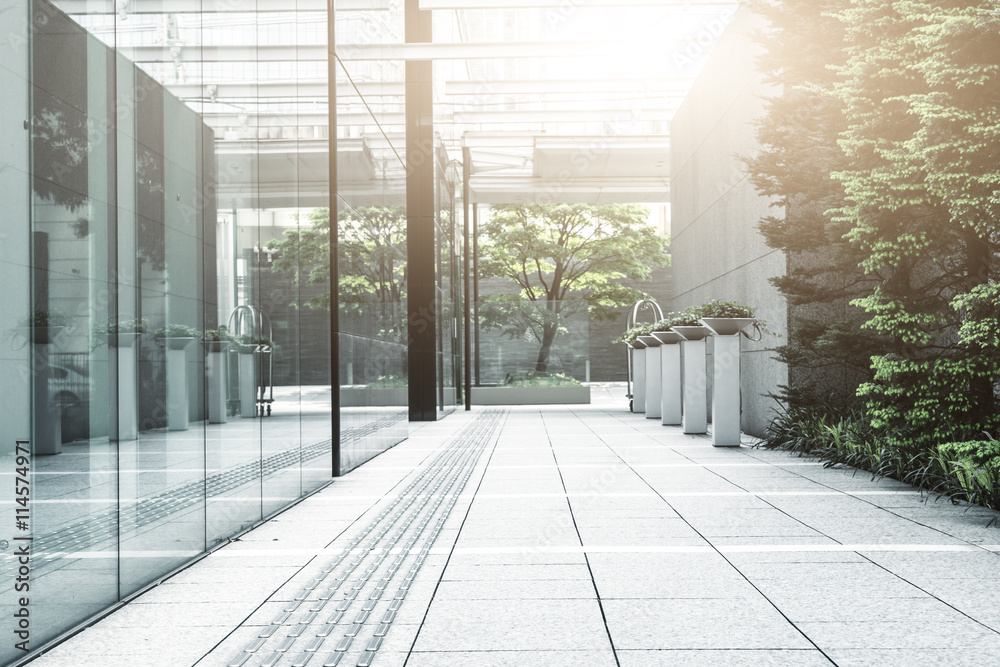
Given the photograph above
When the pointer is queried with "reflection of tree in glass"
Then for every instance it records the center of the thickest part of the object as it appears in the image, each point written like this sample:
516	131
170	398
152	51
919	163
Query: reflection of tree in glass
372	256
566	260
59	155
151	240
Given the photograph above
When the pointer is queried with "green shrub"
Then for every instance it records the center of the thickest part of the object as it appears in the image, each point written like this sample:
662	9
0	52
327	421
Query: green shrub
540	380
963	471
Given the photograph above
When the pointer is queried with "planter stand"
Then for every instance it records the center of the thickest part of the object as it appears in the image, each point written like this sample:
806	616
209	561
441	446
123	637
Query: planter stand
177	390
215	353
695	417
47	416
248	384
726	378
653	379
125	425
670	374
639	377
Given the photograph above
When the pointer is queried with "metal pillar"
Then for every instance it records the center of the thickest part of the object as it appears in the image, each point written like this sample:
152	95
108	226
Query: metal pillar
475	282
466	305
331	74
420	226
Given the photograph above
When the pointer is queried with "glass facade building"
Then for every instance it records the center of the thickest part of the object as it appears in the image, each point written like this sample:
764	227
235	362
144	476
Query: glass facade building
174	312
233	248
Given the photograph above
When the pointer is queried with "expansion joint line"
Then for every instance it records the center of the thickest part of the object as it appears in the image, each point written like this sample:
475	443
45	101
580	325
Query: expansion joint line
401	535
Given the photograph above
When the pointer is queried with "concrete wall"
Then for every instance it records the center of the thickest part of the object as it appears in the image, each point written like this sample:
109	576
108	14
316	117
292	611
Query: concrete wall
717	250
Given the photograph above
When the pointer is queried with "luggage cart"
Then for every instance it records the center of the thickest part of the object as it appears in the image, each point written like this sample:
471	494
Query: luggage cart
247	320
645	304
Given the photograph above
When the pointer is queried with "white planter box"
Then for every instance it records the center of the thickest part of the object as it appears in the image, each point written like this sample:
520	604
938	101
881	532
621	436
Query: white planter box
639	380
359	396
670	378
695	417
653	379
177	390
248	384
531	395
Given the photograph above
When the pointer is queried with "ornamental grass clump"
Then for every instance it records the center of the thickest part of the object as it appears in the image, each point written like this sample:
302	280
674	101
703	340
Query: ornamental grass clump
961	471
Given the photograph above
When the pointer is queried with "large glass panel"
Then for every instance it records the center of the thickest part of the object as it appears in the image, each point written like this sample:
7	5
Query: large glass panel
169	191
371	232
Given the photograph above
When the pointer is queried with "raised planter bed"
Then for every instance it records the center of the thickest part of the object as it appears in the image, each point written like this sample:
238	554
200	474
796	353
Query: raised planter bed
578	395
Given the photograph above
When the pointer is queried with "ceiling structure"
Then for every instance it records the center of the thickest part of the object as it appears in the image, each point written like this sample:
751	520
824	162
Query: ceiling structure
556	100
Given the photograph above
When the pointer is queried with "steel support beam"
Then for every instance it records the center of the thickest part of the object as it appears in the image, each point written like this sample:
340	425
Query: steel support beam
420	224
466	193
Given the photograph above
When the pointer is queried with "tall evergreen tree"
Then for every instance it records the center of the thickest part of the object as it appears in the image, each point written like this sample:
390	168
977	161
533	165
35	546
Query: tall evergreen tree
827	351
906	100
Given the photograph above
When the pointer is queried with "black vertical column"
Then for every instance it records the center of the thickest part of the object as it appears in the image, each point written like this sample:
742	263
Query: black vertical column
475	282
466	251
420	228
331	75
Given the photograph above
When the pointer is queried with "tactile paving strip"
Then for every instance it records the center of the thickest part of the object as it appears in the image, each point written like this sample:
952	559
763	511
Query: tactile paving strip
374	571
102	527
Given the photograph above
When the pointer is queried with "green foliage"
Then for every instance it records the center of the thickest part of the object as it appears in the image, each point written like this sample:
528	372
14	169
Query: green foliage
41	319
540	380
919	199
798	134
177	331
633	333
718	308
565	260
116	326
389	382
217	336
966	470
372	257
974	467
980	310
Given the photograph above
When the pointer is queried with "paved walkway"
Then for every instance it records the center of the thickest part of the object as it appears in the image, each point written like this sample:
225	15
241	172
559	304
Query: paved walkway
580	535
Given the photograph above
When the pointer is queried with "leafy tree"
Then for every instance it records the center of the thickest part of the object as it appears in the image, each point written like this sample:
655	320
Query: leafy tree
372	258
918	90
565	259
827	351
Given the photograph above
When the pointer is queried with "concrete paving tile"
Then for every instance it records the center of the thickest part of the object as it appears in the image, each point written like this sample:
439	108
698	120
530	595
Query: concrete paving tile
913	634
534	625
222	654
860	605
676	587
569	557
699	624
969	657
181	615
729	658
507	658
494	572
514	589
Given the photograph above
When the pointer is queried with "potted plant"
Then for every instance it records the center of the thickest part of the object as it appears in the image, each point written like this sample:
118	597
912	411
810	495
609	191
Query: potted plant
662	329
725	318
42	326
177	336
689	326
631	337
216	342
118	333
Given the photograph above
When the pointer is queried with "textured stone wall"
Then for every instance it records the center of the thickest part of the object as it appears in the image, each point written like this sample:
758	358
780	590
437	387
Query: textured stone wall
718	252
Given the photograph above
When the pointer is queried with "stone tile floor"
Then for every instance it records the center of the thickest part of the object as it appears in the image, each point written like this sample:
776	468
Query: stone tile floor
583	535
